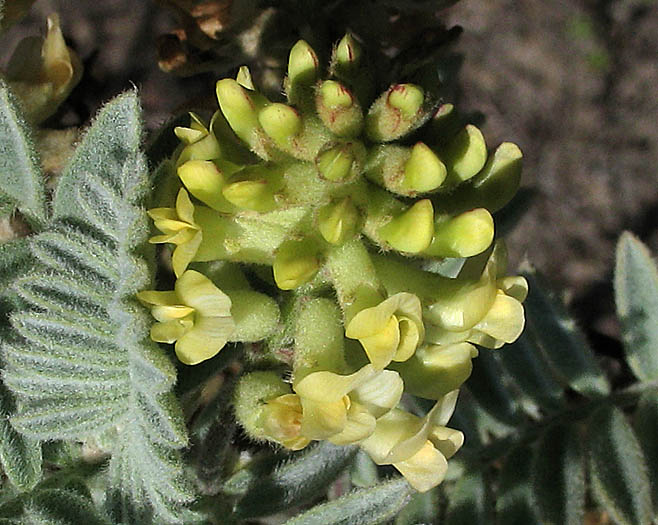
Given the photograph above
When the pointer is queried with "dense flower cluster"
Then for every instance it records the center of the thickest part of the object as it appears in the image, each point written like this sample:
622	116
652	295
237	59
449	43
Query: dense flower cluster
374	227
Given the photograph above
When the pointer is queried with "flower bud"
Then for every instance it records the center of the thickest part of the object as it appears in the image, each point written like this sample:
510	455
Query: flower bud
280	122
252	191
465	155
200	142
255	314
465	235
433	370
303	66
346	56
412	231
341	162
500	178
240	110
295	263
205	180
337	221
338	109
395	113
424	171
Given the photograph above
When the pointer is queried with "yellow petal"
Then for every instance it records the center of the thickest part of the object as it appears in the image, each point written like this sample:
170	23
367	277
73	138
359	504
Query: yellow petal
425	469
170	226
438	335
282	421
189	135
379	393
197	291
504	321
167	332
153	297
359	425
170	312
204	340
410	337
514	286
370	321
382	346
447	440
323	419
392	428
162	213
184	254
184	207
329	387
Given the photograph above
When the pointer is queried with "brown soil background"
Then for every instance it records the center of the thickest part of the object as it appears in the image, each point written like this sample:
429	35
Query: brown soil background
574	83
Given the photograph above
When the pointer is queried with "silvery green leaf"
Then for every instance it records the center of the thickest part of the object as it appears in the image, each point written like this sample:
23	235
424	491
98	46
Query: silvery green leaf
514	501
468	501
558	476
20	456
296	481
636	296
21	179
562	341
82	363
619	478
367	506
423	508
646	429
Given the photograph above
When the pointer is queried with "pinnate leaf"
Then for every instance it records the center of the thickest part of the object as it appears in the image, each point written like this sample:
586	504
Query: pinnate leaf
21	180
367	506
82	363
618	471
558	476
636	296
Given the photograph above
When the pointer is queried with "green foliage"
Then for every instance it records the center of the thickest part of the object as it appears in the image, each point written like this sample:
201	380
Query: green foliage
21	180
80	363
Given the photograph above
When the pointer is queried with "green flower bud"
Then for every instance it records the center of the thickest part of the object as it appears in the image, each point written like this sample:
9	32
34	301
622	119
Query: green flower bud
303	66
256	315
444	124
244	78
205	180
240	110
337	221
346	56
500	178
280	122
251	194
424	171
341	162
433	371
296	263
338	109
412	231
465	235
465	155
395	113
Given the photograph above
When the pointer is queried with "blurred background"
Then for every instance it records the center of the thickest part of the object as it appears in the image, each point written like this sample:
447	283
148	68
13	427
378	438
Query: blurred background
573	83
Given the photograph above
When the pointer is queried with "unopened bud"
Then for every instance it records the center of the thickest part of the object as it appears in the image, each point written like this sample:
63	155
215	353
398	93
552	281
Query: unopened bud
205	181
499	180
341	162
239	109
395	113
302	70
424	171
295	263
465	155
412	231
280	122
337	221
465	235
338	109
254	194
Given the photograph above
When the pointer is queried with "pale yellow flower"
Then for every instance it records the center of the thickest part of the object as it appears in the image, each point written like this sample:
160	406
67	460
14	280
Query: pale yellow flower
196	315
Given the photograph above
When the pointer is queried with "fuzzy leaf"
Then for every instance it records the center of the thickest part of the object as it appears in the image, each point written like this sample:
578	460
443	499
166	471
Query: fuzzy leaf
490	393
636	296
296	481
83	363
618	471
646	429
361	507
527	366
21	179
20	456
61	507
563	343
423	507
558	477
468	501
515	499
